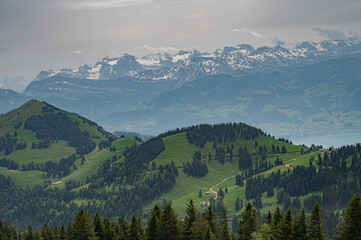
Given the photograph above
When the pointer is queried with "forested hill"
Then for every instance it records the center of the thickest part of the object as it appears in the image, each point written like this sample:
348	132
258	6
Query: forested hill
38	138
222	165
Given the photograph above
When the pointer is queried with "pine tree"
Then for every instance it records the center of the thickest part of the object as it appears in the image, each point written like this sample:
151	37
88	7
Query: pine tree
63	234
199	229
248	223
98	227
37	235
211	218
277	218
151	231
168	227
134	229
191	217
29	234
83	228
123	228
315	227
237	204
351	226
300	227
285	226
224	231
109	230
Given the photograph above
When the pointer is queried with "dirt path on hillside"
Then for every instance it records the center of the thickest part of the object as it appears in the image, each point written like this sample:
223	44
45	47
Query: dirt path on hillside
228	178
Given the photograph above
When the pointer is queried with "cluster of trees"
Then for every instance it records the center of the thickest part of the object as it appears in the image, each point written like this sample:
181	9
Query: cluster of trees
41	144
9	143
165	224
228	132
196	168
58	126
10	164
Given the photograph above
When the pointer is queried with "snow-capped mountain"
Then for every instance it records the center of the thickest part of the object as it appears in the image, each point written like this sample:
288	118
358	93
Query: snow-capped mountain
108	68
187	65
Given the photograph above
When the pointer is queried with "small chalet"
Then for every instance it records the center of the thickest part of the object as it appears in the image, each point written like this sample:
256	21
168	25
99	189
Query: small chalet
203	204
288	165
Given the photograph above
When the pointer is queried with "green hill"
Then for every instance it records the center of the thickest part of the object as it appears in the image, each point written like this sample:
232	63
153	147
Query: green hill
225	165
40	144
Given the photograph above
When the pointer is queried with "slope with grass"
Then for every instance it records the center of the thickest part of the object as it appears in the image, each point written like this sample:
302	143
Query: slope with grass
179	150
36	161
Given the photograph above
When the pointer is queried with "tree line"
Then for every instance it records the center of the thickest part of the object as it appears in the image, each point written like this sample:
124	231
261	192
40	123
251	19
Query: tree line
199	135
165	224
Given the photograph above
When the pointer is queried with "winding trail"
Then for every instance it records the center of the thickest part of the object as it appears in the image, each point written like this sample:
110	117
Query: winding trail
228	178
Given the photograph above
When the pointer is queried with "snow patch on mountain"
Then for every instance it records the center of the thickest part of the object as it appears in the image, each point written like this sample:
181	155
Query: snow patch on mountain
186	65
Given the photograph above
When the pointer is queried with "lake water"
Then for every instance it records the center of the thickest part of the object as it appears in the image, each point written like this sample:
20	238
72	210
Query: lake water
336	140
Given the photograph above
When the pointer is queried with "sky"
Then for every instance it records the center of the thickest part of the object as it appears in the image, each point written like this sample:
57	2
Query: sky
39	35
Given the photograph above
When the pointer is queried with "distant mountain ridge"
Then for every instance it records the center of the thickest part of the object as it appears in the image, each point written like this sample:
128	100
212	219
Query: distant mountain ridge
187	65
148	94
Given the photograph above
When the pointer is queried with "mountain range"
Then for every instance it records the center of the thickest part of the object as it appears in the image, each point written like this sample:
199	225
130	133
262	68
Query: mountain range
311	88
188	65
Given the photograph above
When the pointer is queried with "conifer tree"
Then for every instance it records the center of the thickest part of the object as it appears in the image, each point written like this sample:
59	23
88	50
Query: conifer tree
210	217
351	226
98	227
151	231
37	235
191	217
29	234
300	227
224	231
285	226
168	227
47	233
83	228
315	227
63	234
199	229
123	228
134	229
248	223
237	204
109	233
70	230
277	218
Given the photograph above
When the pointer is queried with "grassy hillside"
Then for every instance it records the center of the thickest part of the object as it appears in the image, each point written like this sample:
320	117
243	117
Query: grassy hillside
12	126
178	149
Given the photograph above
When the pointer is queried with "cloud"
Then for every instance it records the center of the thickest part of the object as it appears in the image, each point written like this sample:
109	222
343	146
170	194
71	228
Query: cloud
334	34
100	4
160	49
246	30
79	52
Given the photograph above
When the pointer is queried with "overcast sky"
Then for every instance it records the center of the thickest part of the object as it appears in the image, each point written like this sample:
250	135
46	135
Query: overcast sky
42	34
